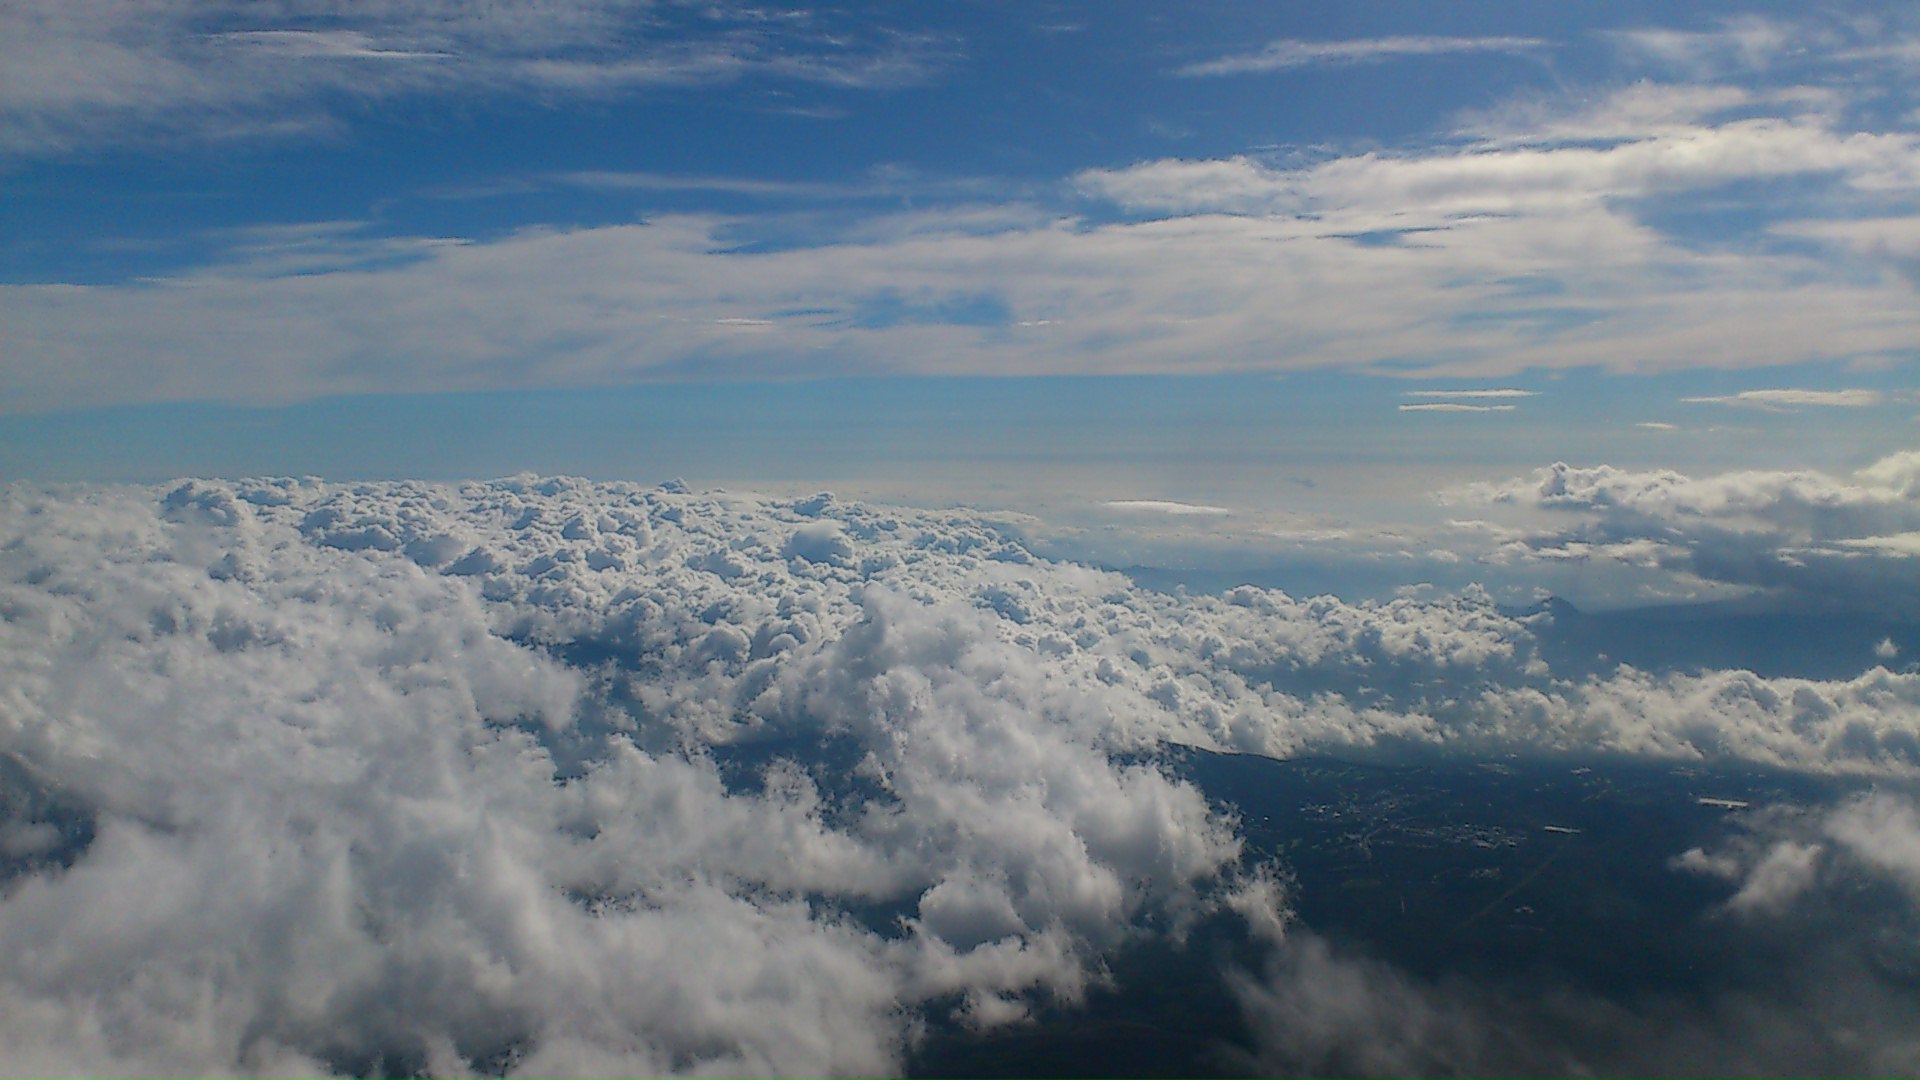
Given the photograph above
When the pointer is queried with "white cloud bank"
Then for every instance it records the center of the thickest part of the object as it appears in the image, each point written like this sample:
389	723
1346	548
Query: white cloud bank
543	776
1808	535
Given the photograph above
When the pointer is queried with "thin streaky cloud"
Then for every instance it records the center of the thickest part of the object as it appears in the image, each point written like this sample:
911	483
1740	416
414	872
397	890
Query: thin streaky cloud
1770	399
1749	42
161	71
1164	506
1898	544
336	44
1495	393
603	180
1292	52
1455	407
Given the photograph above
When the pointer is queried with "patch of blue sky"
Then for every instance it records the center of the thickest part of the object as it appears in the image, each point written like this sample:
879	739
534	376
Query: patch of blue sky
1388	237
1740	212
890	308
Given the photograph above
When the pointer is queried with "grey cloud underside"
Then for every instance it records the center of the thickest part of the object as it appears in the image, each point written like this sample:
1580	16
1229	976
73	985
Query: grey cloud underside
545	776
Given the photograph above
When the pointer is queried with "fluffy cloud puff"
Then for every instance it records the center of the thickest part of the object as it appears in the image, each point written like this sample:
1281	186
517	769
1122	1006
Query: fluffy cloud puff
548	776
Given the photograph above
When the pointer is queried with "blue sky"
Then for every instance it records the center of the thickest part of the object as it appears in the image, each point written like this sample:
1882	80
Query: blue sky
798	247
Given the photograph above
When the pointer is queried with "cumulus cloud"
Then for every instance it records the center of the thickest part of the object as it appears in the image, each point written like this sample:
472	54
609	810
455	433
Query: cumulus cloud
1806	534
542	775
378	823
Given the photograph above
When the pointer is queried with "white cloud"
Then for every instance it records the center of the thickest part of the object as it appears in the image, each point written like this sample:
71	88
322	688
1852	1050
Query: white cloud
1234	265
1896	238
1881	832
1769	399
1786	871
87	72
1455	407
1494	393
1740	42
545	776
1162	506
1790	854
1865	725
1807	534
1547	173
1290	53
1906	543
364	822
1520	242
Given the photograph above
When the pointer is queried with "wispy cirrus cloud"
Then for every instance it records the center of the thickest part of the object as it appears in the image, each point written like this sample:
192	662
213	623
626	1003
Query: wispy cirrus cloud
1293	52
1748	41
1440	187
94	72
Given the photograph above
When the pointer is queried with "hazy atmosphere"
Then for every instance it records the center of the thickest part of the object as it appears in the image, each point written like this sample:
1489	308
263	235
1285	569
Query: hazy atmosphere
641	538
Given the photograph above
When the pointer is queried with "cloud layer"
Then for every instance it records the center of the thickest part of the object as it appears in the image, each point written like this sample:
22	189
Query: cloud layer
1547	233
546	776
94	71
